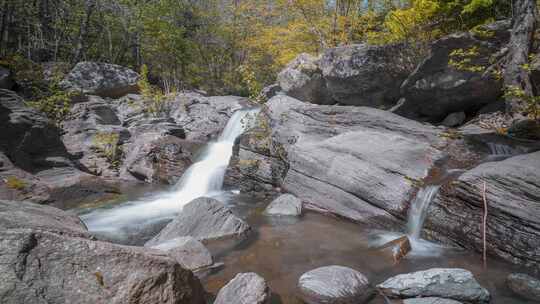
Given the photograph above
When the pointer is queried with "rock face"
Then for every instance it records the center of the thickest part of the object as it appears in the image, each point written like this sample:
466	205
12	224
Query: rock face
449	283
102	79
364	75
513	198
524	285
203	219
286	204
188	252
46	256
454	77
355	162
430	300
302	79
244	288
334	285
6	79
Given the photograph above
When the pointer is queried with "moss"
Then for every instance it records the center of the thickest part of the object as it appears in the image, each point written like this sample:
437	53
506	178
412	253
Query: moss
15	183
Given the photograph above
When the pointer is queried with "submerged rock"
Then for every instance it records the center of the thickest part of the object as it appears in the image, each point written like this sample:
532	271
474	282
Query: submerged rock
302	79
46	253
396	249
450	283
286	204
334	285
244	288
513	199
203	219
102	79
524	285
188	252
364	75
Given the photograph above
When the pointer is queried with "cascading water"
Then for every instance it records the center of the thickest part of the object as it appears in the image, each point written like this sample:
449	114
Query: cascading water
203	178
417	212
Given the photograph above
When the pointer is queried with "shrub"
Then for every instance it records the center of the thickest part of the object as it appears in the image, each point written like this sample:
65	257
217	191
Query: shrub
108	145
15	183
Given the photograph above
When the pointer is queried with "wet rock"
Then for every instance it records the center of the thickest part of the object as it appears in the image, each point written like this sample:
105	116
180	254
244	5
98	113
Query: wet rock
450	283
244	288
355	162
46	253
334	284
513	199
286	204
524	285
188	252
6	79
102	79
203	219
439	87
430	300
454	119
364	75
302	79
396	249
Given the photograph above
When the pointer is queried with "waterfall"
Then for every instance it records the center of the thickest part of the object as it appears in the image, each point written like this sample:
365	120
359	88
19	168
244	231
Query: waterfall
418	209
500	149
203	178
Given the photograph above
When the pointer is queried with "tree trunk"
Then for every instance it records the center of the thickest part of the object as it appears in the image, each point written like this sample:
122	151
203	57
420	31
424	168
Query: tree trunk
83	31
523	26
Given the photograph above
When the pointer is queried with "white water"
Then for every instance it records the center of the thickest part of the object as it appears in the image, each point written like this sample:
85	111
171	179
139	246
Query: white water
417	212
203	178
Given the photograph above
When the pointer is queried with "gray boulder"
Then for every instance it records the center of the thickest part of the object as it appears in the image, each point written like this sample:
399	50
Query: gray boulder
359	163
46	256
285	204
430	300
102	79
454	119
364	75
513	198
203	219
450	283
334	285
270	91
188	252
444	84
244	288
302	79
6	79
524	285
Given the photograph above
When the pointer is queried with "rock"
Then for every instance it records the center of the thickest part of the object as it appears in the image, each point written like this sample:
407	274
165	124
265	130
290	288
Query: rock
6	79
270	91
454	119
513	198
364	75
188	252
430	300
437	87
285	204
46	253
396	249
302	79
102	79
244	288
203	219
524	285
334	284
354	162
450	283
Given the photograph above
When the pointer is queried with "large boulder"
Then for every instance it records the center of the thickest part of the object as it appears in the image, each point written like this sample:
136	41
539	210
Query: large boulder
334	285
364	75
46	256
430	300
302	79
455	76
524	285
359	163
102	79
513	199
449	283
244	288
203	219
286	204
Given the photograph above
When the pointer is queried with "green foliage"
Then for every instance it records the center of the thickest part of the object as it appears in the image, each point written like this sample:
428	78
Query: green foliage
531	104
108	145
462	59
15	183
156	103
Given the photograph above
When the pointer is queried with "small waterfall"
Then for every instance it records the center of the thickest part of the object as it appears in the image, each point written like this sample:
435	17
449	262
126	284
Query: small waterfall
500	149
203	178
418	209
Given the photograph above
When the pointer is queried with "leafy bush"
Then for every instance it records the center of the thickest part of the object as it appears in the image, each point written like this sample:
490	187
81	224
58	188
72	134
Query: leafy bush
15	183
156	102
108	145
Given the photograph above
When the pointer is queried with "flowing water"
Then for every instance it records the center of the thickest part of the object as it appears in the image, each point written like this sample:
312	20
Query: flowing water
203	178
417	212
